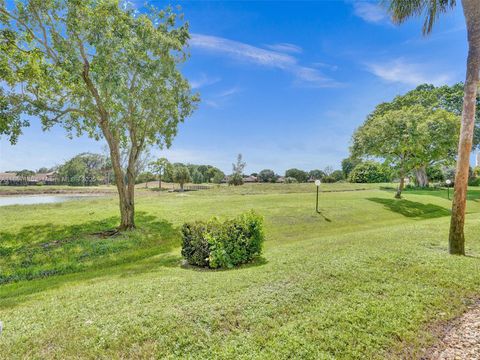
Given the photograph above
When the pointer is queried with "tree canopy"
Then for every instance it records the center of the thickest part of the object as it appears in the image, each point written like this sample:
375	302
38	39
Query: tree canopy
267	175
83	169
445	97
100	68
181	175
299	175
408	138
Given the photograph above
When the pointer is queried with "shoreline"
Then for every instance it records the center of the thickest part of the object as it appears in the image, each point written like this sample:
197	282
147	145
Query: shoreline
73	191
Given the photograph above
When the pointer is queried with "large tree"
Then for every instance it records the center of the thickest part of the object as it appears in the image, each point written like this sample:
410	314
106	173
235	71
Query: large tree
160	167
404	9
299	175
97	67
181	175
267	175
408	138
83	169
445	97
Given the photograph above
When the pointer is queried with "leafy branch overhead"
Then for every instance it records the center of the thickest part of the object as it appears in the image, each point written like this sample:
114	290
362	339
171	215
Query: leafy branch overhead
96	67
91	65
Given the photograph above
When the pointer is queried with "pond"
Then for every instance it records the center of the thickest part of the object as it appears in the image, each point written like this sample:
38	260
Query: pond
39	199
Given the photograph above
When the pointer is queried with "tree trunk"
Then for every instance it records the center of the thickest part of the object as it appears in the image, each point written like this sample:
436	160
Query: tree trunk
125	193
471	9
128	208
421	176
398	194
125	190
160	182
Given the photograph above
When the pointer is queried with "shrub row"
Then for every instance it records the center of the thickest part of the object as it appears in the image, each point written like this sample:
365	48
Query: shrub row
217	244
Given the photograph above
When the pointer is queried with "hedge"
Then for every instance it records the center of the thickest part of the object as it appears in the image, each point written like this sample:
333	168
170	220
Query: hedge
217	244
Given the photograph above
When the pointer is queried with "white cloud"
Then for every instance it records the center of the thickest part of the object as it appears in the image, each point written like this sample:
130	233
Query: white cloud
285	47
229	92
401	71
369	11
326	66
203	80
242	51
222	97
252	54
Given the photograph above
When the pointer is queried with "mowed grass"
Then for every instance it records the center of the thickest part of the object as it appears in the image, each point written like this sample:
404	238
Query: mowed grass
369	277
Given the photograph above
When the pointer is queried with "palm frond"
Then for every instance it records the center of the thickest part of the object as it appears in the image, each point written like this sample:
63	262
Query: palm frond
401	10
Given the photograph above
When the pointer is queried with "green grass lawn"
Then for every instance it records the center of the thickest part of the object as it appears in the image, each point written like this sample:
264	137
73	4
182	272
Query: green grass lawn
370	277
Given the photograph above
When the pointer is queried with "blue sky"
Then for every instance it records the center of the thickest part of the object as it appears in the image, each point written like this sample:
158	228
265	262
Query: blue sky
284	83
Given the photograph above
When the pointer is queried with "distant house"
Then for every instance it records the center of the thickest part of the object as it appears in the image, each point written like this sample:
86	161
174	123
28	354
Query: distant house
9	179
250	179
47	178
281	179
12	179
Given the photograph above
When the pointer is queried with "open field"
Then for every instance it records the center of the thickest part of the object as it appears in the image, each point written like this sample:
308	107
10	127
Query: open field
370	277
153	186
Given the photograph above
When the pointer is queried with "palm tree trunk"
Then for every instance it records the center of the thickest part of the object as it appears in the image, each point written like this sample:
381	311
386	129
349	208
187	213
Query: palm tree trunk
471	9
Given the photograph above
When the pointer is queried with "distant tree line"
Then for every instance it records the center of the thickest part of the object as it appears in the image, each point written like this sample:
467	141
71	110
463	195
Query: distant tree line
162	170
86	169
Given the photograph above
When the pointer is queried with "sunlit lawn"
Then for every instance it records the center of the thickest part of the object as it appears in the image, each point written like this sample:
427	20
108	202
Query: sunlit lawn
369	277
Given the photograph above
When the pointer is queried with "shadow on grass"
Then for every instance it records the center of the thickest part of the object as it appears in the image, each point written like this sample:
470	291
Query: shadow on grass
16	293
259	261
412	209
323	216
472	194
36	252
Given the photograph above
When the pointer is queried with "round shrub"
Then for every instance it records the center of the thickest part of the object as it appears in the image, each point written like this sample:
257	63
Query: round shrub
195	246
370	172
217	244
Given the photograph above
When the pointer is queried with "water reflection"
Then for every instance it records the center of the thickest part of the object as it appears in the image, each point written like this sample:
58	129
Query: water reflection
38	199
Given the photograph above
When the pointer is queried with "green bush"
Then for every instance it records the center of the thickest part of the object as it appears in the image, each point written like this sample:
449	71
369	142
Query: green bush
329	179
226	244
290	180
370	172
195	246
235	180
435	173
474	181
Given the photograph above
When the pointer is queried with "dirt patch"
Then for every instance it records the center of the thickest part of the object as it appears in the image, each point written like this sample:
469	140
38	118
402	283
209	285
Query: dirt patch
461	339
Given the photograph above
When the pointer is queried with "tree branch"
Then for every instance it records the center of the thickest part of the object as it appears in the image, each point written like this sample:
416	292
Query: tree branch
49	51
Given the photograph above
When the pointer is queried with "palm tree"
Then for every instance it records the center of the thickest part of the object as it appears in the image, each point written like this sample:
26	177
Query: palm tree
401	10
